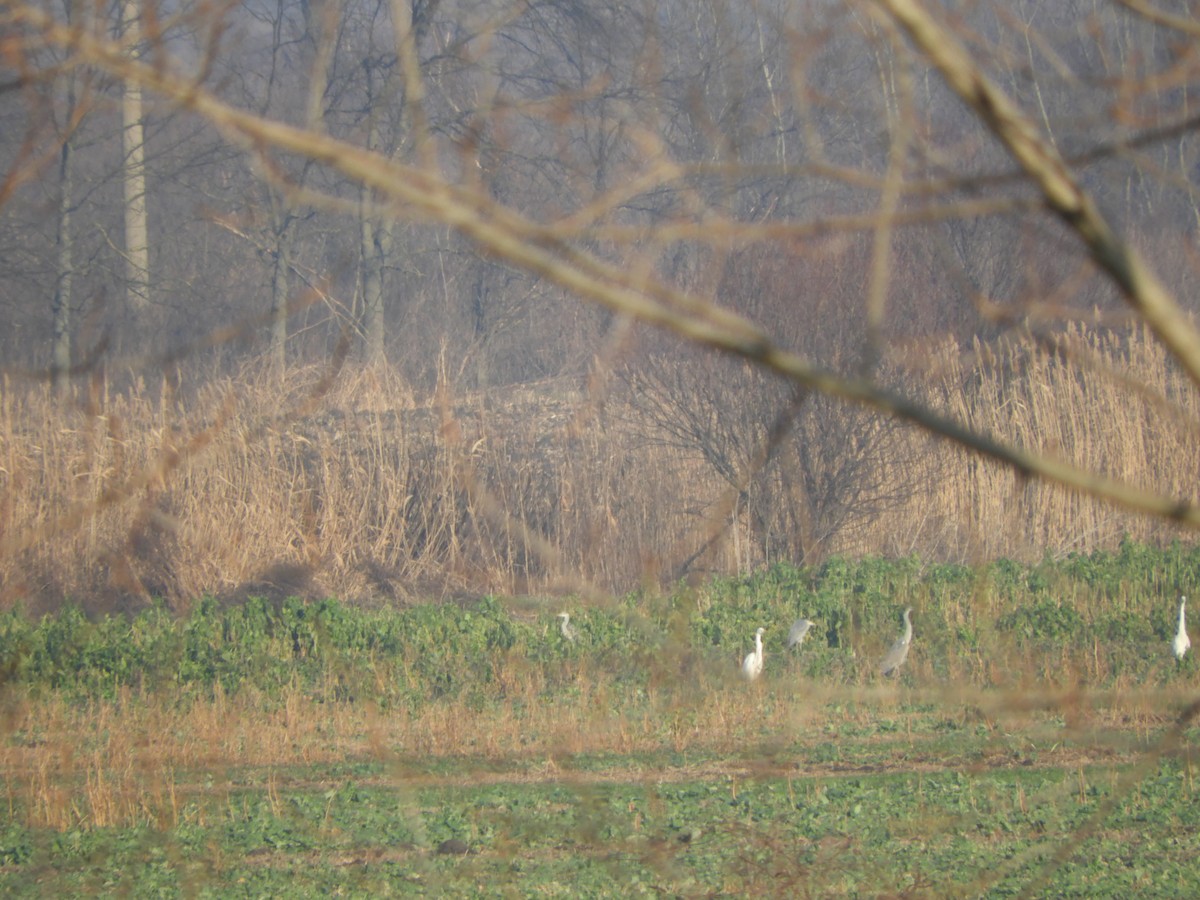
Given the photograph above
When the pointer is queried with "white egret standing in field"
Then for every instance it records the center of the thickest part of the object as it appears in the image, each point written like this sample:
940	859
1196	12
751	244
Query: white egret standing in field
799	632
752	665
894	658
1182	642
567	629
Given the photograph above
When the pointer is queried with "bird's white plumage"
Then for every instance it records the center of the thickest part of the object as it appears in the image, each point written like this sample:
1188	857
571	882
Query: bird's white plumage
752	665
894	658
567	629
798	632
1182	642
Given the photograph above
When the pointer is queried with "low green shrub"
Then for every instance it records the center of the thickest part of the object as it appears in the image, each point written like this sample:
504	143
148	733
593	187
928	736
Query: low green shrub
1122	601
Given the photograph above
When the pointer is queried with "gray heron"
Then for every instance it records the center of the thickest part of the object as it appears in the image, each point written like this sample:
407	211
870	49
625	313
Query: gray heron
894	658
799	632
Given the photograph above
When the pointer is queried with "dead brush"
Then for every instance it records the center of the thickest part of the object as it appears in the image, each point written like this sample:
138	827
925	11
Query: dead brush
1085	395
341	476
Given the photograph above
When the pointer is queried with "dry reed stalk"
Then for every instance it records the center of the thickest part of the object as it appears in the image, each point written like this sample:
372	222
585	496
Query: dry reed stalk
368	496
1108	401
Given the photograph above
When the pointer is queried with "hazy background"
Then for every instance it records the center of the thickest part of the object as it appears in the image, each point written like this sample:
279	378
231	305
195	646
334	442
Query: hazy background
234	369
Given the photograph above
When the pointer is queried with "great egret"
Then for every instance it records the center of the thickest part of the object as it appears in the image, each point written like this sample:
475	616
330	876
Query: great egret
567	629
894	658
1182	642
752	665
799	632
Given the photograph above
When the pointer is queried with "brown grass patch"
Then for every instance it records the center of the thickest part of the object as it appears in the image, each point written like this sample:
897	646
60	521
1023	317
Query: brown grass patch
137	759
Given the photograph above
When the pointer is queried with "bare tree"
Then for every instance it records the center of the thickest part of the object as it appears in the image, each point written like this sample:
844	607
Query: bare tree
64	239
133	140
592	166
802	468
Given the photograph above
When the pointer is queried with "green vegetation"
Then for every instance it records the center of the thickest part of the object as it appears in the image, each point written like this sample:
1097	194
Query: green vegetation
935	834
306	748
1124	600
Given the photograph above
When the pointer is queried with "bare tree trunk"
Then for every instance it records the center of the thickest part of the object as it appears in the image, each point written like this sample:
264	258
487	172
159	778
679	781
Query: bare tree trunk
137	248
376	246
284	236
376	235
65	266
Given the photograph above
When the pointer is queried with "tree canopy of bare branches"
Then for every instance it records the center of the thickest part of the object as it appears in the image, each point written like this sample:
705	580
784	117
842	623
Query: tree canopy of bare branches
823	194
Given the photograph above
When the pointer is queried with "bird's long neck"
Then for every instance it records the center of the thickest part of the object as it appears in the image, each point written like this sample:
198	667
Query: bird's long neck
1181	623
907	628
758	644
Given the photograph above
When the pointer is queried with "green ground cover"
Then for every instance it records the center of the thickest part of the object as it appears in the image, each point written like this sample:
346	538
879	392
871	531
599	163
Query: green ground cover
1038	743
1055	830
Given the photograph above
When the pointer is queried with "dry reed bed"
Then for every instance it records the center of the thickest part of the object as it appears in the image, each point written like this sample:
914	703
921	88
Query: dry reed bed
119	496
1109	402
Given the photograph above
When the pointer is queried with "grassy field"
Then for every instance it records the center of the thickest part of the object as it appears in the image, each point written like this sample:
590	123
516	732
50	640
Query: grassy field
972	822
1038	743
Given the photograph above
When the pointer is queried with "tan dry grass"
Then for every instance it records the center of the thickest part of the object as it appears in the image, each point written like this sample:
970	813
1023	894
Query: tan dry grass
1110	402
335	483
137	758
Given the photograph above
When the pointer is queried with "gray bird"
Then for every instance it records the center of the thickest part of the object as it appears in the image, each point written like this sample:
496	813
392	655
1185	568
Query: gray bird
894	658
567	629
799	632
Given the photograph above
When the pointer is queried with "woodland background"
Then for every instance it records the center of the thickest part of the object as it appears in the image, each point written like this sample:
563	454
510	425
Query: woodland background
298	293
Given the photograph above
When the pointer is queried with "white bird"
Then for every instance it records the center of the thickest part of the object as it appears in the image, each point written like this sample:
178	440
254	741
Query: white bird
752	665
799	632
894	658
567	629
1181	643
